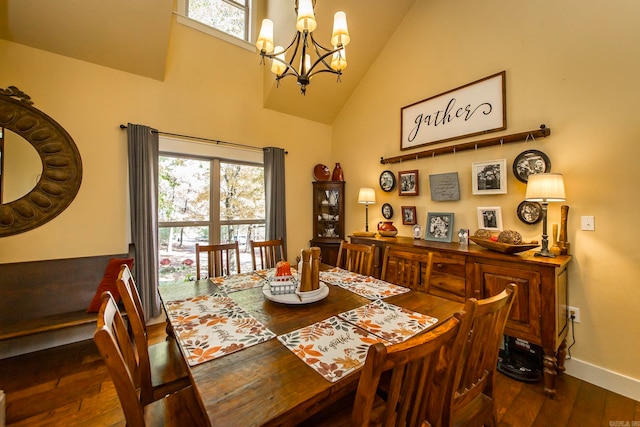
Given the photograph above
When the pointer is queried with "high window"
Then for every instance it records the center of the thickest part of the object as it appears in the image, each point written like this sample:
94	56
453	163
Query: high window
206	200
220	18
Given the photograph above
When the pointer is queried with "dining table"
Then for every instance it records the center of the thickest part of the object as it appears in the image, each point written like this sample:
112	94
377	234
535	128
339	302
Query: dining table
267	383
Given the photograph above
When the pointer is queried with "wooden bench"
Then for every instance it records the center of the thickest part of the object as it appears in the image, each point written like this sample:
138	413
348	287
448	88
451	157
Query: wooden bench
49	295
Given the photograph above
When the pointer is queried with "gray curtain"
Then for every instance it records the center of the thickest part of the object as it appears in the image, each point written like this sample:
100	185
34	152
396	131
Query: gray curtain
275	194
143	196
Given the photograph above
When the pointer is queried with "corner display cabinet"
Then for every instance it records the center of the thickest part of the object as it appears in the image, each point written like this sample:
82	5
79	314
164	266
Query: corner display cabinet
328	218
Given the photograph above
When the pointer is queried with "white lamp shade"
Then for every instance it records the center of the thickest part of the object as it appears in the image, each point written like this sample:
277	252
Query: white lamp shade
340	35
265	38
367	196
545	187
278	67
339	60
306	18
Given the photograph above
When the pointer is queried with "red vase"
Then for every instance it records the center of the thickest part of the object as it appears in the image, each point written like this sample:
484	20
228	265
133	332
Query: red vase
387	229
337	173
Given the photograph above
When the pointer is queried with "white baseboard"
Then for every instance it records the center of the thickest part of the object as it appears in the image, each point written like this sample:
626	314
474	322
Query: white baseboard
612	381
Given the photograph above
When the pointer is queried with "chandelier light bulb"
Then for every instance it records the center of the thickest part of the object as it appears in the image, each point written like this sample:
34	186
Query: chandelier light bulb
339	60
278	67
340	35
265	38
306	17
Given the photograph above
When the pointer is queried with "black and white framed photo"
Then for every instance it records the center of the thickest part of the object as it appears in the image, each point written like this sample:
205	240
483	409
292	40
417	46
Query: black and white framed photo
408	215
529	212
530	162
408	183
439	227
387	211
463	236
489	177
490	218
387	181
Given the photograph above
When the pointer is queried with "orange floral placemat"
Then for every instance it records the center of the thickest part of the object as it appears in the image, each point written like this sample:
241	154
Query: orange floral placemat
366	286
333	347
242	281
211	326
390	322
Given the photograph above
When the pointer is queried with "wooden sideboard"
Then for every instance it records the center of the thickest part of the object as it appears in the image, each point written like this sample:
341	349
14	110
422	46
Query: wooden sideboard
539	313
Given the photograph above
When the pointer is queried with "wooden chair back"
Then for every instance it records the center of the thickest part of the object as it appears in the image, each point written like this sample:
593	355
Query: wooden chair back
356	258
220	259
471	399
406	268
420	370
120	355
268	251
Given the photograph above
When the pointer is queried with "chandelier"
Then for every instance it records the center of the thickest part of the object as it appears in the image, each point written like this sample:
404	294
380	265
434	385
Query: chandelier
303	46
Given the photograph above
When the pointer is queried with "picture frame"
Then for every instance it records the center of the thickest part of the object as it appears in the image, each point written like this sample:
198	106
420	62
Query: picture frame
408	183
529	212
530	162
476	108
463	236
387	211
490	218
408	215
439	227
489	177
387	181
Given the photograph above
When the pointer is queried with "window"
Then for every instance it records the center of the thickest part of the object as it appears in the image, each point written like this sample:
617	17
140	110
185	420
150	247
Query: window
206	200
230	20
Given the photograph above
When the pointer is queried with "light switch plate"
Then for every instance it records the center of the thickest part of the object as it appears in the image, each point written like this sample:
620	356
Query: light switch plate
587	223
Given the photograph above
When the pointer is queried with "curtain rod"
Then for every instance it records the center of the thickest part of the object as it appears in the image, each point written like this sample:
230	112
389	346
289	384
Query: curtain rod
218	142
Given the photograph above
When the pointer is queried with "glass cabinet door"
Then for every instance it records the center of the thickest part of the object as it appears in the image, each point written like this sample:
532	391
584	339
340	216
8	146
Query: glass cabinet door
328	210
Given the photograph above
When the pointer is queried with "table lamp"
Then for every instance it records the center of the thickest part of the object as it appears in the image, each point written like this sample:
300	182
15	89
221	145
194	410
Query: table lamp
545	188
366	196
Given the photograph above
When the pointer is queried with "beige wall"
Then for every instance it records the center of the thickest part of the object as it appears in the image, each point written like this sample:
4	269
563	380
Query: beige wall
571	65
200	96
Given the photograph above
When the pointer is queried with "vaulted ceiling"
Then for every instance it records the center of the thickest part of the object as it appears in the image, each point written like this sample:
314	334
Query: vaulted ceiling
133	36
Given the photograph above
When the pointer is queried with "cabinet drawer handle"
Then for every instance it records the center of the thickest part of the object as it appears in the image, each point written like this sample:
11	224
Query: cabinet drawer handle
439	265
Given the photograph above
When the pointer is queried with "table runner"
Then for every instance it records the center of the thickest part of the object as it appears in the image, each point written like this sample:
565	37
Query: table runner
211	326
366	286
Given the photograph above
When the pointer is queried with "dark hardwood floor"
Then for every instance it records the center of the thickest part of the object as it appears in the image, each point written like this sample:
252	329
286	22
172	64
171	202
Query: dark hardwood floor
70	386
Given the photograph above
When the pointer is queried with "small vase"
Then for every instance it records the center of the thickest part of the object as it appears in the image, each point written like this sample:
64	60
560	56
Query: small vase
337	173
387	229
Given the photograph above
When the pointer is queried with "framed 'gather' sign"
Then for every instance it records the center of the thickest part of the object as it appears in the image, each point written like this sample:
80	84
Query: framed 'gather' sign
473	109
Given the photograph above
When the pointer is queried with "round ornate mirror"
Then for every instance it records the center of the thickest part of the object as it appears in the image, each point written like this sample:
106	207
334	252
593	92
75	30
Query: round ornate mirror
61	174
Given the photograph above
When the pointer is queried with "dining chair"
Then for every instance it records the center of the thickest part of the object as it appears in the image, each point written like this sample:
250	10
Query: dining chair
417	374
161	367
220	259
269	251
120	355
471	398
356	257
405	268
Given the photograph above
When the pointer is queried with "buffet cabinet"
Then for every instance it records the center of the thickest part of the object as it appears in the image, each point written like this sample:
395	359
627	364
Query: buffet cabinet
328	219
539	313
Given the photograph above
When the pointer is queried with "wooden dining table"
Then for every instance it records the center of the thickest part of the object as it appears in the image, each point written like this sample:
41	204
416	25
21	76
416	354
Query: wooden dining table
267	384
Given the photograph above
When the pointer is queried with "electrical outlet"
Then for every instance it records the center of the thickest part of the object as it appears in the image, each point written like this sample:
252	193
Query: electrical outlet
587	223
576	313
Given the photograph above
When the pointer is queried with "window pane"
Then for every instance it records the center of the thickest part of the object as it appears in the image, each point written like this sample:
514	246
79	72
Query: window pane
241	192
243	233
177	246
183	189
220	15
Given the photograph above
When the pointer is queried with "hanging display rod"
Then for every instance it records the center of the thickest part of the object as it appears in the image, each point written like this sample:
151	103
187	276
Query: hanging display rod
543	132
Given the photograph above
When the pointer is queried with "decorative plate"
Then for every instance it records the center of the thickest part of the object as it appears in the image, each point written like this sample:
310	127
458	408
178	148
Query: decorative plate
321	173
530	162
529	212
417	231
503	247
387	211
387	181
